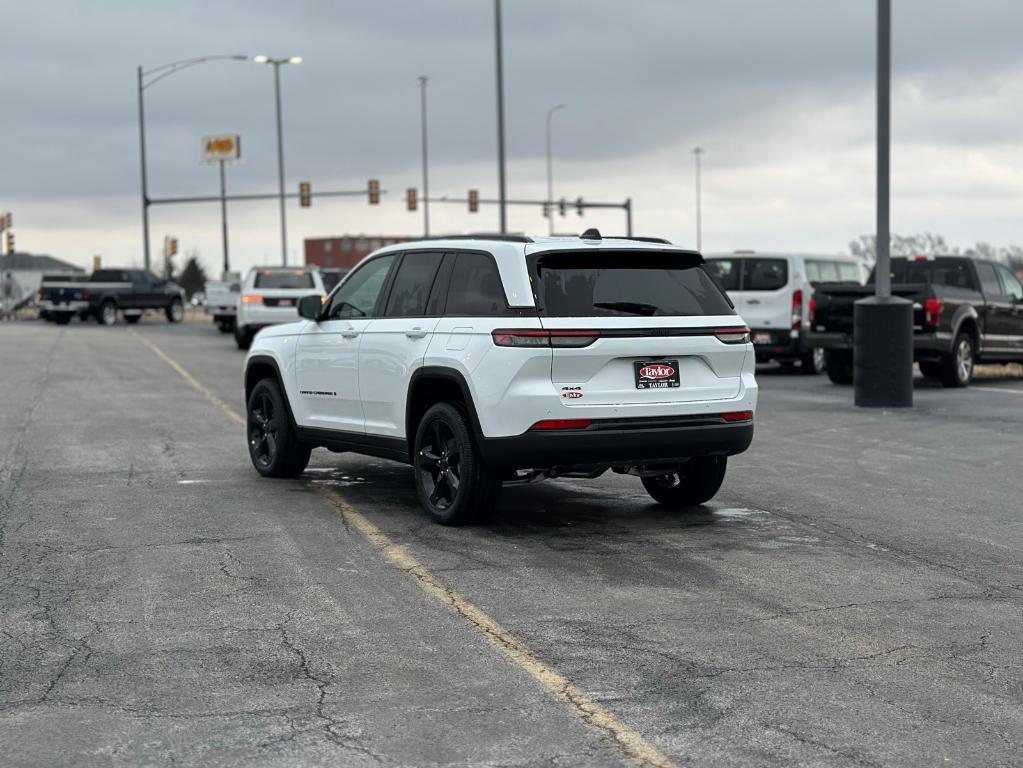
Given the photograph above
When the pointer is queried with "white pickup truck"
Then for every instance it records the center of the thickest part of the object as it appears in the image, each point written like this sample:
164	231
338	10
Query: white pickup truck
222	302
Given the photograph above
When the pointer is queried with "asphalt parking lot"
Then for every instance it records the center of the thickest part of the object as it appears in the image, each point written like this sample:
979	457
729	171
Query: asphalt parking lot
854	596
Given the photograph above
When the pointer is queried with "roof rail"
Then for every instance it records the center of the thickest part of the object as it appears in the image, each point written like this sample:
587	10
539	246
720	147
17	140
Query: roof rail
481	236
661	240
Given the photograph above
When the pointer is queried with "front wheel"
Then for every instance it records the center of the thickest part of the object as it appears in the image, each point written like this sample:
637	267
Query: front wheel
274	446
175	311
454	484
695	482
812	363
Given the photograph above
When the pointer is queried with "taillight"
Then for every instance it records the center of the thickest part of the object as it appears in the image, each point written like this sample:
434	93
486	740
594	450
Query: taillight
739	335
738	416
797	308
538	337
812	310
251	298
85	294
932	312
555	424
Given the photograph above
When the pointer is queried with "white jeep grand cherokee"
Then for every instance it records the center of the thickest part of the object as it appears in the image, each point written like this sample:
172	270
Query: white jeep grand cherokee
485	360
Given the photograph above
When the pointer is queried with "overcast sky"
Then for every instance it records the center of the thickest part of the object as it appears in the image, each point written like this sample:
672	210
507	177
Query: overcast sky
780	94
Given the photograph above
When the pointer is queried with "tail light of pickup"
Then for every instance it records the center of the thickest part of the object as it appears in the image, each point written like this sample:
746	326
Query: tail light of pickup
251	298
797	309
932	313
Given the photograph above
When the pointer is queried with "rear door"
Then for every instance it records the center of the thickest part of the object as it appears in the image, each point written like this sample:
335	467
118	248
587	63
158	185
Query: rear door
394	345
766	298
634	327
1013	292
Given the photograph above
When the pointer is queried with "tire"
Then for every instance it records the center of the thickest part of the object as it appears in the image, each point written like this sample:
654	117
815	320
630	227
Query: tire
957	368
931	370
132	319
44	315
812	363
274	447
225	326
60	319
696	482
454	484
175	311
839	365
242	338
107	313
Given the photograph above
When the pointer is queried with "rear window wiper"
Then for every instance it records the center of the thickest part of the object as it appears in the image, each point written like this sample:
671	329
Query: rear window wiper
632	307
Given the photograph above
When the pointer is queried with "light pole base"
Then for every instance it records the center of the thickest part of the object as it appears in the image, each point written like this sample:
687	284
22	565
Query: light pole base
883	353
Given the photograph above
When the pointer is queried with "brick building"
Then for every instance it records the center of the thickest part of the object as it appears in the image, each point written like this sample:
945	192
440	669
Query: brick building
345	251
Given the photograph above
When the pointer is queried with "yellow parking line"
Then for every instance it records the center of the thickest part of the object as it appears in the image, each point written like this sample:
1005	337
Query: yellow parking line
633	746
227	409
999	389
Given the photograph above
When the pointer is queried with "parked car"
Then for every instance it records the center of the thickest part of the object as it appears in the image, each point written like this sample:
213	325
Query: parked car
109	291
965	311
53	304
332	277
270	296
491	360
772	292
222	303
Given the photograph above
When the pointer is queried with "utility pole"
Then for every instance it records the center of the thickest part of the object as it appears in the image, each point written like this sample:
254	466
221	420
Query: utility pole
142	165
883	324
550	166
697	152
426	182
501	187
223	215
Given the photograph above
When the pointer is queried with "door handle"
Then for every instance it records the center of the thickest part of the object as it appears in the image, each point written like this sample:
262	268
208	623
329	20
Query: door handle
415	333
752	301
349	333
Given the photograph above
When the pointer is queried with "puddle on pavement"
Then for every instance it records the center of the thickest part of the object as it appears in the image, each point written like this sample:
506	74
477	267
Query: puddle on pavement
739	513
341	481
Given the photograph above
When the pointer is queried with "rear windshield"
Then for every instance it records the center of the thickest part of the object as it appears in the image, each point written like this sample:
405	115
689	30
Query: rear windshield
281	279
626	284
951	273
108	276
750	273
820	271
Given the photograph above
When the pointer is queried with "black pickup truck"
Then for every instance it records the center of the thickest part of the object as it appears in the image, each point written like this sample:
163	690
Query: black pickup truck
109	291
965	311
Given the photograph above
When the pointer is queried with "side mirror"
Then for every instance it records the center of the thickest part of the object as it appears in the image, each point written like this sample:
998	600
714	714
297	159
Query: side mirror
310	307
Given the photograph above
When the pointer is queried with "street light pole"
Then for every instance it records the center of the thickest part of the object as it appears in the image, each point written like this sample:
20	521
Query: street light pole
277	64
426	178
223	216
697	152
550	166
501	188
883	324
155	74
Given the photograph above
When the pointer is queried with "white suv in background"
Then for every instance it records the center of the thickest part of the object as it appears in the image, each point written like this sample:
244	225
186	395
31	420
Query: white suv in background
773	291
270	295
490	360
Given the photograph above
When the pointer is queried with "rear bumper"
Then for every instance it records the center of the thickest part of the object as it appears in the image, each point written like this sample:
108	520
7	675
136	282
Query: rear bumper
926	345
260	317
221	311
620	441
67	306
829	340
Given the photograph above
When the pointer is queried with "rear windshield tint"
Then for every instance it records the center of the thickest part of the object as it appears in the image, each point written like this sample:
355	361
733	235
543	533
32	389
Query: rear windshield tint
280	279
951	273
626	284
726	272
764	274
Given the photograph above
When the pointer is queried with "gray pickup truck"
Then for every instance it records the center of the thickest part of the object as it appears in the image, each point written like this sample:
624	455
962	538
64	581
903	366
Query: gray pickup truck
107	292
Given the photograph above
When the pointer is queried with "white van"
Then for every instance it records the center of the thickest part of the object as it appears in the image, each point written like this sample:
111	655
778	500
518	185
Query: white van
772	292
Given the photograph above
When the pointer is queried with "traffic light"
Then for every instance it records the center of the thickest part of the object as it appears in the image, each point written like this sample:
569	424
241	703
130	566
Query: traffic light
561	206
305	194
172	246
546	210
579	206
410	198
474	200
9	237
374	191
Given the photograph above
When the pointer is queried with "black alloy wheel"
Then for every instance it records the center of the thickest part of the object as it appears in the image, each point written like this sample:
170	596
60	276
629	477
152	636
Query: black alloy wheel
274	446
453	482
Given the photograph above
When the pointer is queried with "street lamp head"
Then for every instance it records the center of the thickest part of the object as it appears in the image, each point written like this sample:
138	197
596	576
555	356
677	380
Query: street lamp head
261	59
295	60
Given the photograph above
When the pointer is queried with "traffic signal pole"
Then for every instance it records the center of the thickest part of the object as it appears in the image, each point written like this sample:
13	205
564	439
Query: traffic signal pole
142	166
580	205
883	324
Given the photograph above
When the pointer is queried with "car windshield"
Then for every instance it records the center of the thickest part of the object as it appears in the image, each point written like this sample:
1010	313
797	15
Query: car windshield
292	278
627	284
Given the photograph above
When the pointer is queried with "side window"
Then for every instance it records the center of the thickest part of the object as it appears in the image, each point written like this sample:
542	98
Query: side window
358	296
764	274
1011	284
411	286
813	272
849	273
988	279
475	288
